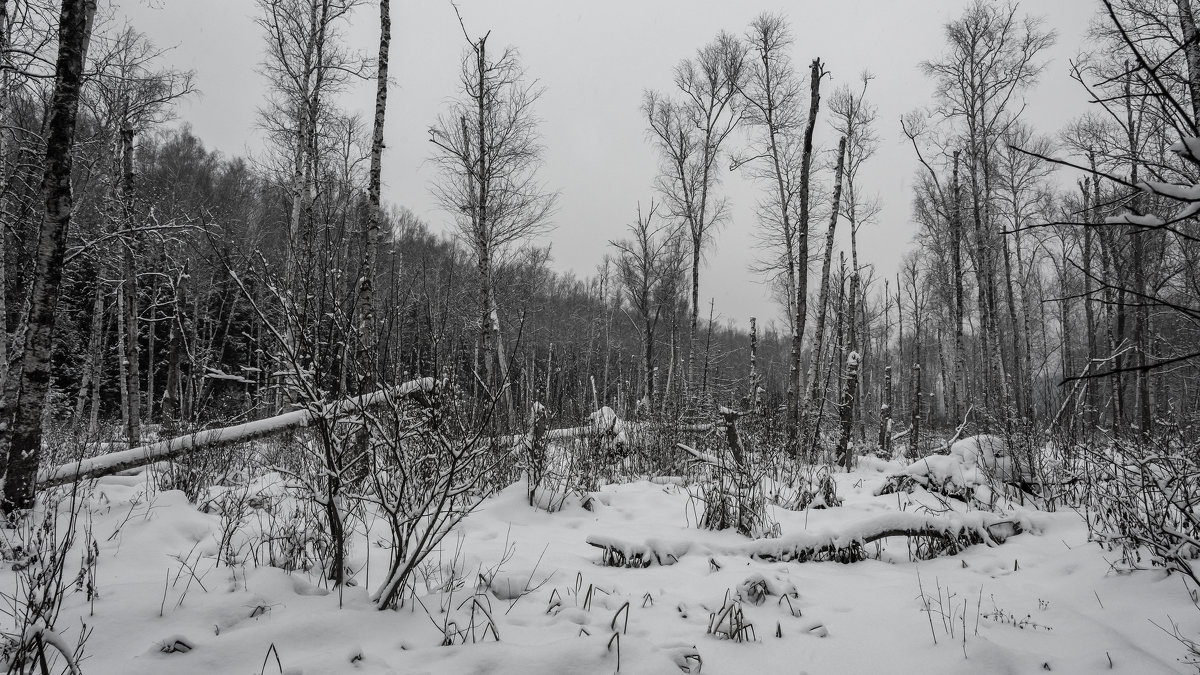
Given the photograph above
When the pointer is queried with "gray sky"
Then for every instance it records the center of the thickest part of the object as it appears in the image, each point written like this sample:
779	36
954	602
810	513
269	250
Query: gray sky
595	59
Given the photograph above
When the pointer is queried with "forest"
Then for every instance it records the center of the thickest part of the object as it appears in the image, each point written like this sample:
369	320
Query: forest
304	400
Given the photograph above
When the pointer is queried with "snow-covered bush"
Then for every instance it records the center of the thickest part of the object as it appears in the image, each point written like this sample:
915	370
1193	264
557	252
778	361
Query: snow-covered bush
1142	499
974	469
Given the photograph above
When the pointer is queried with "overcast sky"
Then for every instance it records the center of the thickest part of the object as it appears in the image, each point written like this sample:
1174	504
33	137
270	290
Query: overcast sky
595	59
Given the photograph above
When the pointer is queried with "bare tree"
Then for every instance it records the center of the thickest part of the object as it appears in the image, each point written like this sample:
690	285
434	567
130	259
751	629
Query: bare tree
648	269
851	115
772	92
689	132
488	153
306	63
992	56
132	95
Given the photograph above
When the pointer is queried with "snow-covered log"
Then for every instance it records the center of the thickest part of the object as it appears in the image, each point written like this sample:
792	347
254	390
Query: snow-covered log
214	438
606	424
955	531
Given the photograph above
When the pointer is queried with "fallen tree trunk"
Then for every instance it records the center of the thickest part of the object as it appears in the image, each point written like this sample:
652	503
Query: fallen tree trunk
215	438
591	430
955	532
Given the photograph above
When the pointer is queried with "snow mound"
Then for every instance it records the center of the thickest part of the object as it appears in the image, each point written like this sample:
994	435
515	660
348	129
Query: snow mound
972	464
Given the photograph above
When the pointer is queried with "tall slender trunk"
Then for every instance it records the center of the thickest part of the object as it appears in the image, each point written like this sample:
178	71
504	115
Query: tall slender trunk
151	347
1020	394
1090	209
1026	322
1191	48
368	360
814	363
753	388
885	412
915	412
648	359
172	394
795	385
21	441
1141	312
129	293
4	149
91	370
853	367
959	384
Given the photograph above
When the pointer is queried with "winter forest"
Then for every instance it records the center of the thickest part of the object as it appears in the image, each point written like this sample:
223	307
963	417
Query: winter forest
835	370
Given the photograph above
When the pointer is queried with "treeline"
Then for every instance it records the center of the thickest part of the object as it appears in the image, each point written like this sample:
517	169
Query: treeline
204	254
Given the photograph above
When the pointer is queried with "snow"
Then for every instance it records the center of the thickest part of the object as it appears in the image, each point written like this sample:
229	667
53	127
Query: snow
1187	146
1127	218
1187	193
972	463
1044	596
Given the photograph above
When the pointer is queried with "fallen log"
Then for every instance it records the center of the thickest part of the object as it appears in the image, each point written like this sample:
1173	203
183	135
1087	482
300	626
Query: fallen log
955	531
116	462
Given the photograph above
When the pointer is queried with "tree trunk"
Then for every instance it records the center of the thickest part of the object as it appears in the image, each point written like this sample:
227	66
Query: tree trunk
91	370
850	393
752	400
1019	392
1141	312
814	363
885	412
21	441
1090	208
915	413
131	357
1191	48
367	362
795	385
959	385
4	149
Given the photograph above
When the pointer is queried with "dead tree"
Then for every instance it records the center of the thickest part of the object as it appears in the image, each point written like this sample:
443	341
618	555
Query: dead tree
795	385
885	412
850	390
814	363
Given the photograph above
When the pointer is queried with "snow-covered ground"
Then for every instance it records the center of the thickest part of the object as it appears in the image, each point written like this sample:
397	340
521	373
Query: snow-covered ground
529	596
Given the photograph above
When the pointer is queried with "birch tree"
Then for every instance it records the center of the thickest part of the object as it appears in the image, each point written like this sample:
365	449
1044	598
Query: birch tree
21	431
992	55
488	152
773	94
366	284
689	129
